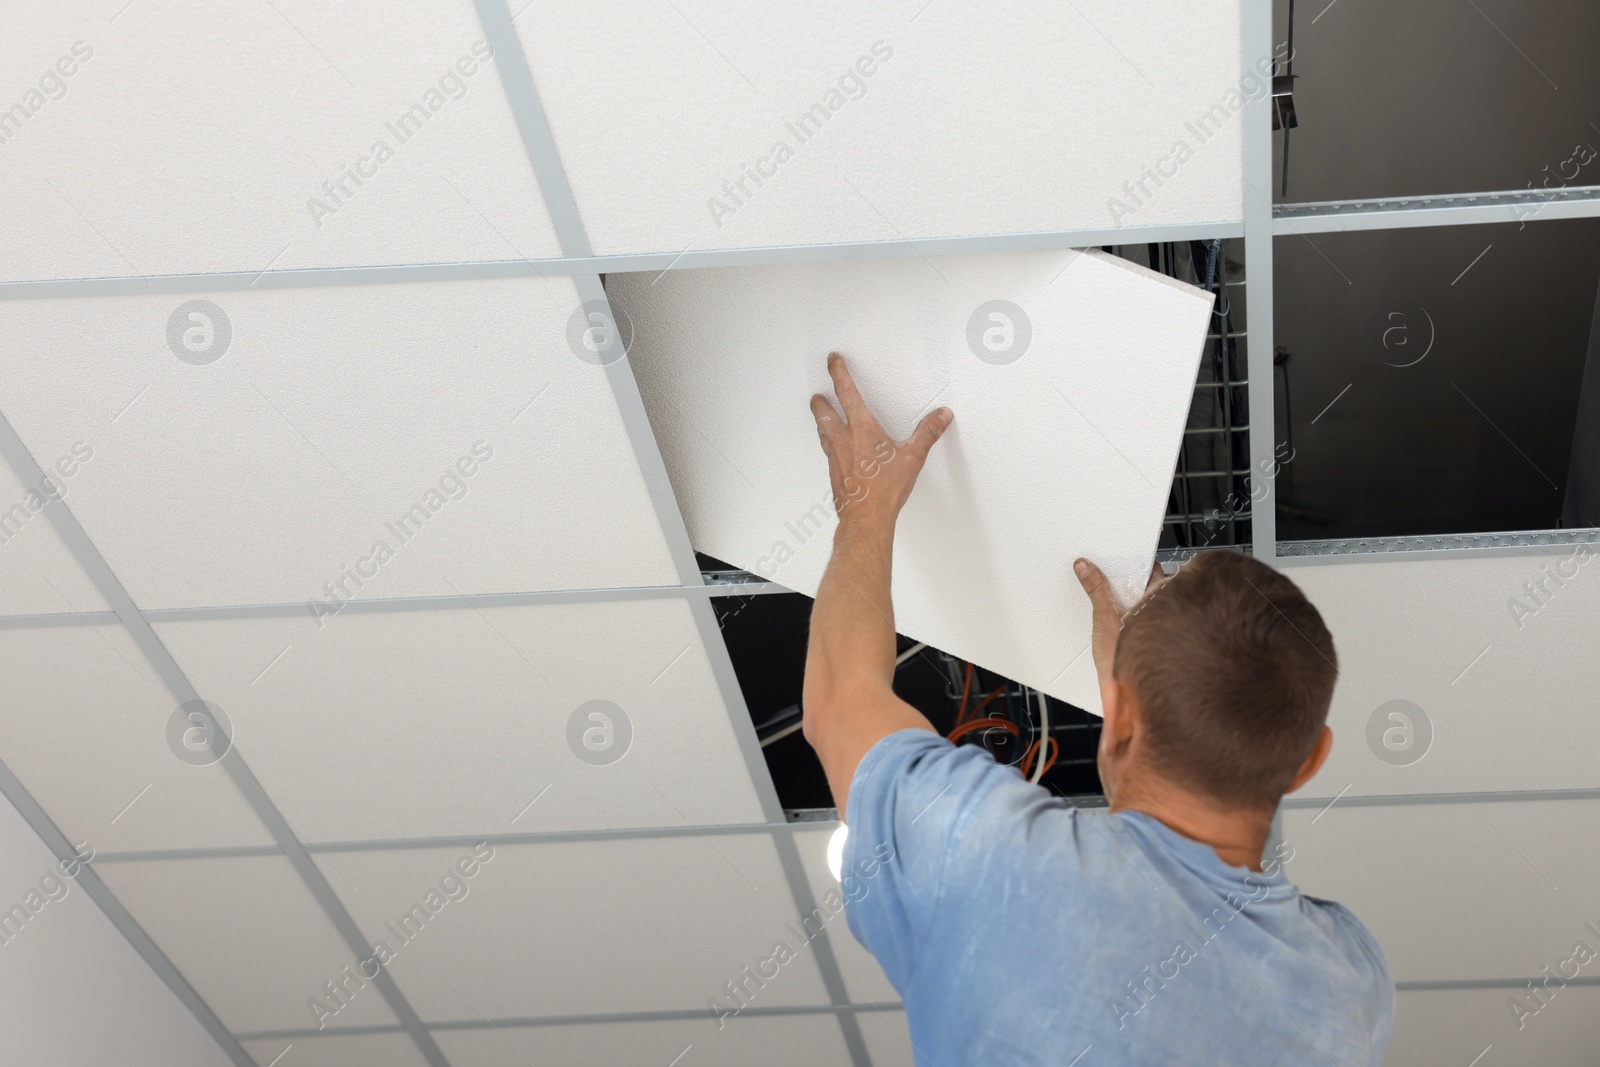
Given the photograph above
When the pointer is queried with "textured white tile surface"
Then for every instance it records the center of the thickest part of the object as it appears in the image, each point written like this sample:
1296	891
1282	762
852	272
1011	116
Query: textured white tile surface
1453	891
75	992
273	473
774	1041
582	927
197	136
454	721
967	118
38	574
1067	450
88	728
250	938
1500	673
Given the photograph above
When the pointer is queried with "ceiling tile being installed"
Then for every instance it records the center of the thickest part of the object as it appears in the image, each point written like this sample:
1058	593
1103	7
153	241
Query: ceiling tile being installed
188	137
38	574
1070	375
1457	890
773	1041
347	1050
644	925
98	740
842	122
469	721
344	443
1460	673
251	939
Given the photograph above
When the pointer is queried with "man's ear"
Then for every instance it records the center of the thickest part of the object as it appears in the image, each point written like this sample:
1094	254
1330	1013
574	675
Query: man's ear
1313	762
1116	707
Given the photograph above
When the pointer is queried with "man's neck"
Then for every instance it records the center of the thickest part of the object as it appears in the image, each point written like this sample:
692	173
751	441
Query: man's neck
1238	836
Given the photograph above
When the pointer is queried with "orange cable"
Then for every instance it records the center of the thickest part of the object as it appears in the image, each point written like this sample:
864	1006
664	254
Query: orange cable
988	698
981	724
1027	760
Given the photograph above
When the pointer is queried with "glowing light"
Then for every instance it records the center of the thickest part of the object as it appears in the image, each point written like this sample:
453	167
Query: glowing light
836	850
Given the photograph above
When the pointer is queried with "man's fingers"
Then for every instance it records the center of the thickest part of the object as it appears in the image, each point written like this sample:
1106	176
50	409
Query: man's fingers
1107	619
929	430
826	419
1094	583
844	387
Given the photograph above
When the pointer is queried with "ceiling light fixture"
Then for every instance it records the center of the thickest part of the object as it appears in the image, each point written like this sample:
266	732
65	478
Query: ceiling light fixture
836	850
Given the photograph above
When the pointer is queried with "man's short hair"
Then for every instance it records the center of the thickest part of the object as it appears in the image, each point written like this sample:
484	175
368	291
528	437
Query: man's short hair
1234	671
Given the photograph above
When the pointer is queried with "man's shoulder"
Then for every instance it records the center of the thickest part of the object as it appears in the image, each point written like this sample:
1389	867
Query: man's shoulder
914	760
1351	934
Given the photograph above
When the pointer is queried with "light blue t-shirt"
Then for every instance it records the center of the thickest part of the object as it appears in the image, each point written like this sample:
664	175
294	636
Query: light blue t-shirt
1021	930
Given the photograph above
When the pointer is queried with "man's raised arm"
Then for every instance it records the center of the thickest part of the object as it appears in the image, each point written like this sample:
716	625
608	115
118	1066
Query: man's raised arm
848	700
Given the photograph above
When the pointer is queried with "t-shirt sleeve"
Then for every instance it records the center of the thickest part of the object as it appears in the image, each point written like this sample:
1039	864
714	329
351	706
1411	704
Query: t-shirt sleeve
1364	951
911	796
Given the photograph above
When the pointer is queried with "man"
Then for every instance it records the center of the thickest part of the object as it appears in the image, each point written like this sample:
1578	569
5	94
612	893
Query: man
1022	930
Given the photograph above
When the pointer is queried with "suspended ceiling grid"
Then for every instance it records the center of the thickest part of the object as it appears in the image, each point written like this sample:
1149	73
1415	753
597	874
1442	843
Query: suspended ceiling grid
617	900
380	708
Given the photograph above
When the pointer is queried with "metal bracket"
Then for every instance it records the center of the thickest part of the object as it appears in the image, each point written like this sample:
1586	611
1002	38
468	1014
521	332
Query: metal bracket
1456	210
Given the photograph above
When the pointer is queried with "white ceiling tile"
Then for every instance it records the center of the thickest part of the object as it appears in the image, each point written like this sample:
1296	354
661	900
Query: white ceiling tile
583	927
864	979
38	573
1506	694
454	721
888	1038
90	733
250	938
198	137
273	473
1453	891
974	120
1453	1026
773	1041
1090	408
348	1050
76	994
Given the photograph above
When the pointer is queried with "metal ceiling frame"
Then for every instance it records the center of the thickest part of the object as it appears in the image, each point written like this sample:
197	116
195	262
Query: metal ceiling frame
544	157
1435	546
814	825
384	605
587	1019
1256	40
1260	222
586	264
1286	220
1459	209
177	683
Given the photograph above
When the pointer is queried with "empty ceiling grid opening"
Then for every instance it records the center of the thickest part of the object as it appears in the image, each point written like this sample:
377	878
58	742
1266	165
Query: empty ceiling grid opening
365	696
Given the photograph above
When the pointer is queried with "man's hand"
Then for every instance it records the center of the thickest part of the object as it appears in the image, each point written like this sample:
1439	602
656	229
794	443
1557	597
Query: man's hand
848	699
872	474
1107	615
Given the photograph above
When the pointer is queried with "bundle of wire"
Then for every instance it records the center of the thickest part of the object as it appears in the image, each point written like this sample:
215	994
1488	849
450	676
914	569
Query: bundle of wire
974	721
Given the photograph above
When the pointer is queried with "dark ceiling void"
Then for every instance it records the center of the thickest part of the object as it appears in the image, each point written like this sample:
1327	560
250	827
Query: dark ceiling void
1431	377
766	638
1433	97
